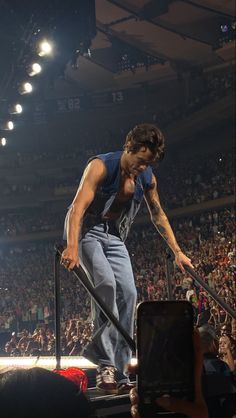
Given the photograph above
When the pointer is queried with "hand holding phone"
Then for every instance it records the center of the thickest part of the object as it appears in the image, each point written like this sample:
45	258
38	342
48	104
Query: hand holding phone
195	409
165	353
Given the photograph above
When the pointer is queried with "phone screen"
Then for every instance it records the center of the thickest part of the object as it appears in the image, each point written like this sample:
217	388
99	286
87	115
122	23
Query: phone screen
165	350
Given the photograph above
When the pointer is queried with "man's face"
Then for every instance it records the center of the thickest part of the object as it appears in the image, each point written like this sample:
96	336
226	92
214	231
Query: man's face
137	162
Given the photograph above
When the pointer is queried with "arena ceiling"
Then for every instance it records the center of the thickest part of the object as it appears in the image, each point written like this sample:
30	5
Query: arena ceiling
136	41
179	35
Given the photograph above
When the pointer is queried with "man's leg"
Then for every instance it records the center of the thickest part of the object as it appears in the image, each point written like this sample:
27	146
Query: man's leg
103	346
107	260
126	297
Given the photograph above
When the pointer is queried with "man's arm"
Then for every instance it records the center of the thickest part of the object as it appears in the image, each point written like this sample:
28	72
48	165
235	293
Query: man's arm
162	224
93	176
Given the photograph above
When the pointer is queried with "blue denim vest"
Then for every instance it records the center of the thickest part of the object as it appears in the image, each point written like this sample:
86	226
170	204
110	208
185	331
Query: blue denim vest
107	193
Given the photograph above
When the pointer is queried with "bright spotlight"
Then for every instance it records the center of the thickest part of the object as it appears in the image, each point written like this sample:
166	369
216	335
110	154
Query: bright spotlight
10	125
17	108
25	88
28	87
45	48
34	69
3	142
7	126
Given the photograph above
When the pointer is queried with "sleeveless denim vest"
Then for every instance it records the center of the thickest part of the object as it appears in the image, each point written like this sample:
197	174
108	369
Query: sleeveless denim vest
107	194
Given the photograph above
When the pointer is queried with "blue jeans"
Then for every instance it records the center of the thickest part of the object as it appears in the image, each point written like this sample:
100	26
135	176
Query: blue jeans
107	260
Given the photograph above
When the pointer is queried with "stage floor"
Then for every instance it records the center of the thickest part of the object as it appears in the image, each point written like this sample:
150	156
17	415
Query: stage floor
45	362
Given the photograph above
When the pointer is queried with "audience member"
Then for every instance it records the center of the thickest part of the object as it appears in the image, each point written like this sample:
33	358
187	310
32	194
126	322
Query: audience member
39	393
218	386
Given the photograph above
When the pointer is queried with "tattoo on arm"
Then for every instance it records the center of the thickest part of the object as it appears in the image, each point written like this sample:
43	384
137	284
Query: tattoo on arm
162	225
161	229
155	208
159	217
161	222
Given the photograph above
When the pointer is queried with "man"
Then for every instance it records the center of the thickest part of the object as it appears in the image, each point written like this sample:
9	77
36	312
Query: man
108	198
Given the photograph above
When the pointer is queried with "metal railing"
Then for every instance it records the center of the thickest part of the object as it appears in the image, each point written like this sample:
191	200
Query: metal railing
197	279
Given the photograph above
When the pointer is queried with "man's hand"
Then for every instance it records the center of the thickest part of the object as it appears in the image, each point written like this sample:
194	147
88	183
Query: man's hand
70	258
181	259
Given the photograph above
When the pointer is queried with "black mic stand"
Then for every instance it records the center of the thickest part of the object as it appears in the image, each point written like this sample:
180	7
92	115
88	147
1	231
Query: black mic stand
169	273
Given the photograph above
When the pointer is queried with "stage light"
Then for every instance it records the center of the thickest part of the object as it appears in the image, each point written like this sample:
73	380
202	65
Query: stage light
45	362
15	109
133	361
34	69
18	108
49	363
45	48
3	142
25	88
8	126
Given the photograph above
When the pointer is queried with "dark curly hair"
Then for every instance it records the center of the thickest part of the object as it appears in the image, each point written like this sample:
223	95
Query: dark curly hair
146	135
40	393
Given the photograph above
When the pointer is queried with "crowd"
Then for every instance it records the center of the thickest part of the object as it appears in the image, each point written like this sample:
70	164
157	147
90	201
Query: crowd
27	288
198	175
202	89
195	180
214	86
27	292
28	222
181	184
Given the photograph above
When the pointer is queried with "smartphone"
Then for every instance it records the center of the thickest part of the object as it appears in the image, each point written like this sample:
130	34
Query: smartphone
165	353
